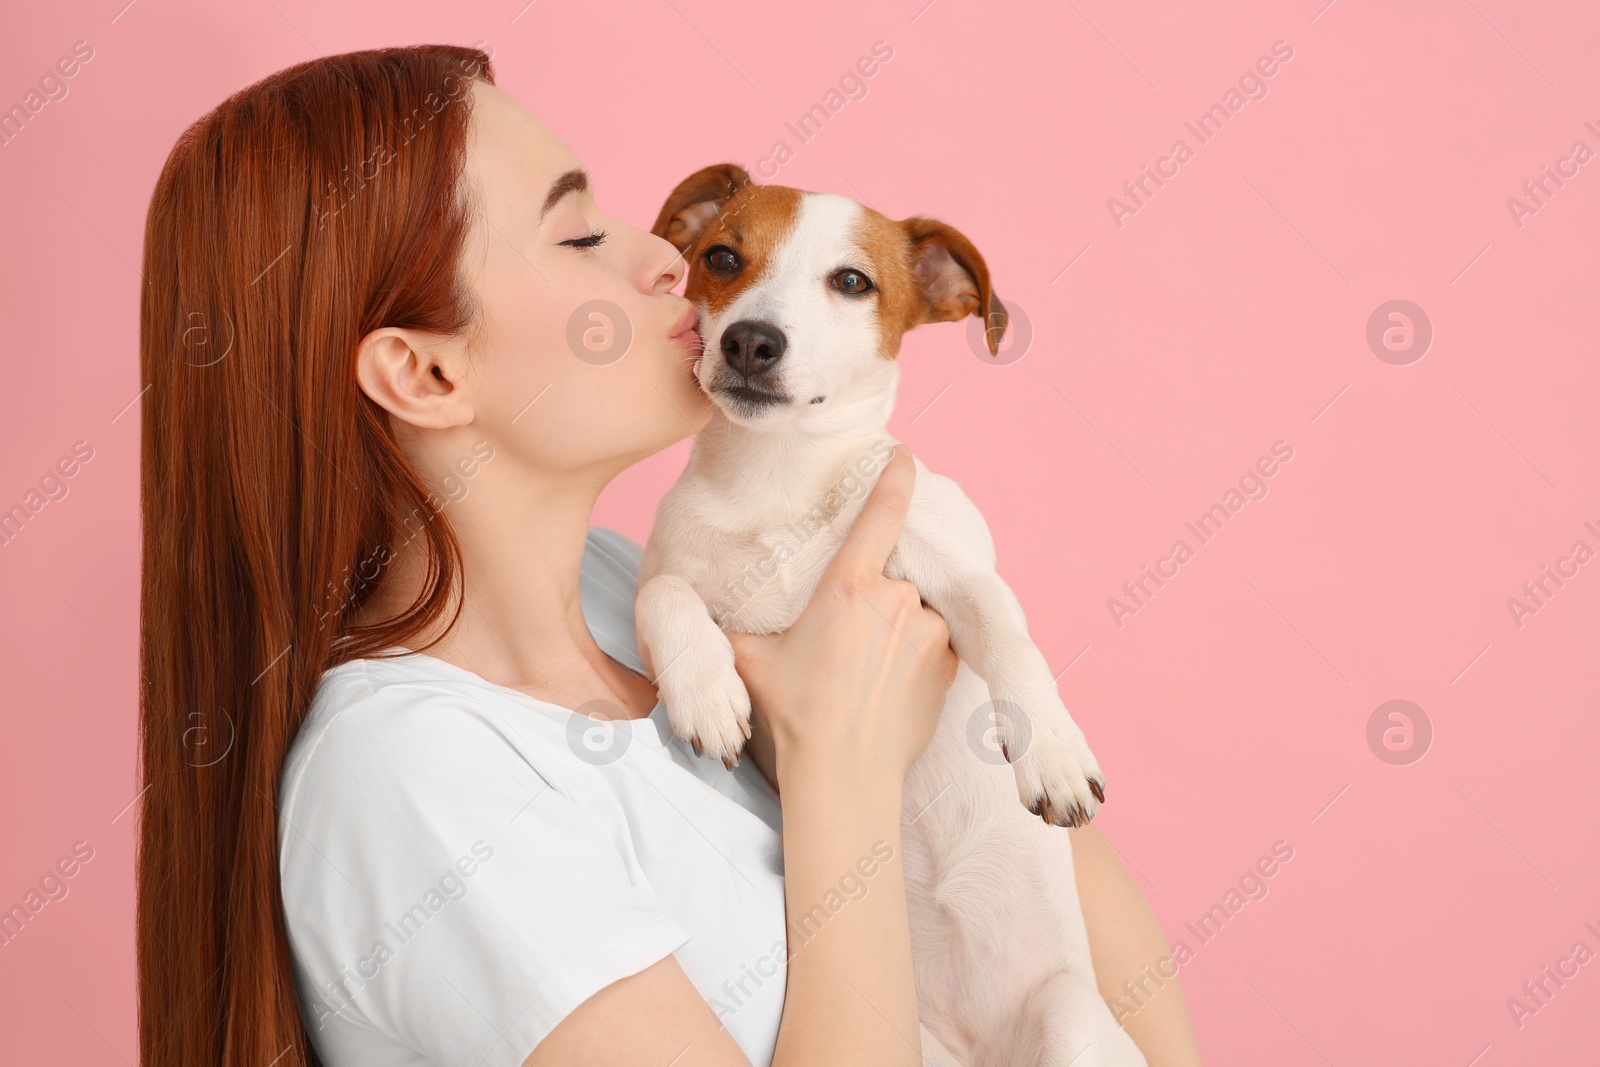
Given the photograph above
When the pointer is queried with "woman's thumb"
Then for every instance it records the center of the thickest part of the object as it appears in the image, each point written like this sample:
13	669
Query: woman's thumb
876	531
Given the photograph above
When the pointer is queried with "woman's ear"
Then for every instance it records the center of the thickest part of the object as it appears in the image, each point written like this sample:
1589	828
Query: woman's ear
415	376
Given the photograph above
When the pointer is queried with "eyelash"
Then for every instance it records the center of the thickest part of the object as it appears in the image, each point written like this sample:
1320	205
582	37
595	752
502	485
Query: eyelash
586	242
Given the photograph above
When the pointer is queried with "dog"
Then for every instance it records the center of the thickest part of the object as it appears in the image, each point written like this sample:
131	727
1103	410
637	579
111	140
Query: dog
803	299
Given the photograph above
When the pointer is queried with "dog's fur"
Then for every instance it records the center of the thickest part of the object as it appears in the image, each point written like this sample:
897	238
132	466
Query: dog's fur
800	359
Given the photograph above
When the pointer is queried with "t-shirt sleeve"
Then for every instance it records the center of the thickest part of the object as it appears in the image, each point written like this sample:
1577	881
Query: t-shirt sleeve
445	889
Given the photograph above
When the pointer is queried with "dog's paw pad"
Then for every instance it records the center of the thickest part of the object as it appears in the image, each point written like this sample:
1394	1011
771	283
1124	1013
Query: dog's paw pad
707	704
1059	779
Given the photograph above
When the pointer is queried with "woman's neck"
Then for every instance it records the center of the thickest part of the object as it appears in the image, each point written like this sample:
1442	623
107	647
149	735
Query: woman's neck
521	623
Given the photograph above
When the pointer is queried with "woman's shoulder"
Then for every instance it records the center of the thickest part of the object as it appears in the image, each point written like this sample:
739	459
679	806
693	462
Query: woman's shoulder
372	722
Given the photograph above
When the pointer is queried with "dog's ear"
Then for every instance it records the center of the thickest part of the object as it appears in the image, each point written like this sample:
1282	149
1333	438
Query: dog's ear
696	201
954	278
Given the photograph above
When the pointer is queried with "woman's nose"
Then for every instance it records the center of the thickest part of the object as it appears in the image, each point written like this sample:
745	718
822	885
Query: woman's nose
675	270
665	266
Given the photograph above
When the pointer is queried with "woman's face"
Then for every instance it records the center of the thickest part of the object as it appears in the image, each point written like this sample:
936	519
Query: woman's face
578	366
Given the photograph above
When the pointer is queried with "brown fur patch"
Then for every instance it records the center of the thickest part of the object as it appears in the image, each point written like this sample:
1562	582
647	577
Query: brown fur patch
753	223
888	263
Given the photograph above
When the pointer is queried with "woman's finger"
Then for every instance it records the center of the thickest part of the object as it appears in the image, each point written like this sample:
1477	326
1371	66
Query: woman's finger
871	540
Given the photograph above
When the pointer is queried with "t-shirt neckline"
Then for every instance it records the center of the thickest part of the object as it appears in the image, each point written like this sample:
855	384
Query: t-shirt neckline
656	732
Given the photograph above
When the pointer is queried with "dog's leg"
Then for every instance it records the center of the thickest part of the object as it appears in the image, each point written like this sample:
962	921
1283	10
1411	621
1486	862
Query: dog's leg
707	703
1058	777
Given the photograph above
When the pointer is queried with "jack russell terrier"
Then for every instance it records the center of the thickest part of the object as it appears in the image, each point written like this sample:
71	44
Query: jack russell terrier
803	298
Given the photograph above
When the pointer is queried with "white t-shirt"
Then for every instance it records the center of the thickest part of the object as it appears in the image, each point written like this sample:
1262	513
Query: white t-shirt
463	865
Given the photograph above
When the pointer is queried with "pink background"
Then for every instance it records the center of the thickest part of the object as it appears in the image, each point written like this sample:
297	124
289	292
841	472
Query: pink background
1228	313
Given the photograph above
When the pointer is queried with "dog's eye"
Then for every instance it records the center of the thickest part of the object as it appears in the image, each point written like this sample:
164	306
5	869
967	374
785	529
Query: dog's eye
722	259
849	280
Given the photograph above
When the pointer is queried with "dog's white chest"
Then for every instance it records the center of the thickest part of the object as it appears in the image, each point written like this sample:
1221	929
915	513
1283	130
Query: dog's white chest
762	582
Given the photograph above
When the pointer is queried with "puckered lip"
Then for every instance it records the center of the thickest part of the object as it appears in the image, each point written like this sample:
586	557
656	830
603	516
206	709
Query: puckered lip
686	322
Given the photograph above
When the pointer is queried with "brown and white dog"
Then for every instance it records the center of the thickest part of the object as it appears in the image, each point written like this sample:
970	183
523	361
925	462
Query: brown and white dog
803	299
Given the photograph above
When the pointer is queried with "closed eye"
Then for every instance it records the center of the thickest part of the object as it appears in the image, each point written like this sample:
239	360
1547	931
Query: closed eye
586	242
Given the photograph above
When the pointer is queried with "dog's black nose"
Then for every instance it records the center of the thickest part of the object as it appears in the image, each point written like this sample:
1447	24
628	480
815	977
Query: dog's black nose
752	347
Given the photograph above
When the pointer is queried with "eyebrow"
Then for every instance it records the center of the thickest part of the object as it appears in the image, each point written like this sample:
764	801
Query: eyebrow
575	180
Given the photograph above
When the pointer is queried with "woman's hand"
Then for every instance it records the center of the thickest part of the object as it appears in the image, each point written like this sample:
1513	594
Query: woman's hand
852	691
847	698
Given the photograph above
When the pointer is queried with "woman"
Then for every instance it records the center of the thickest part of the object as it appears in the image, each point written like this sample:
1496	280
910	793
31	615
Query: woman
383	651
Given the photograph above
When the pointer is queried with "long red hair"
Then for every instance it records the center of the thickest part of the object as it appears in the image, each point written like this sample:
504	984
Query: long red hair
305	211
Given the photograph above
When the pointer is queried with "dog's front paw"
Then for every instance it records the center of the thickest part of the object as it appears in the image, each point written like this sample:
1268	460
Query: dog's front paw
1058	778
707	703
